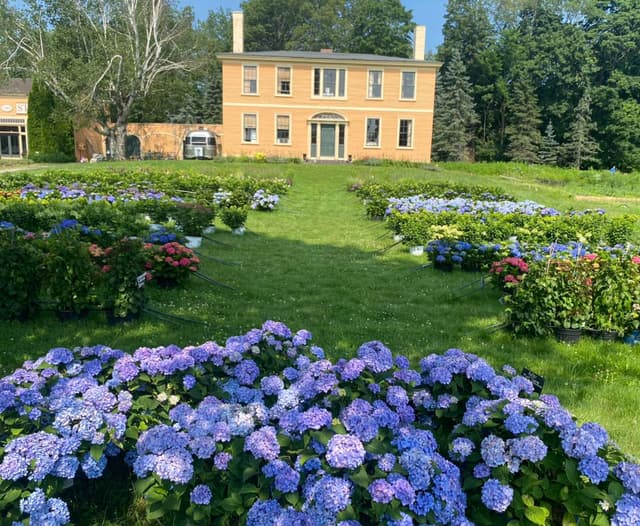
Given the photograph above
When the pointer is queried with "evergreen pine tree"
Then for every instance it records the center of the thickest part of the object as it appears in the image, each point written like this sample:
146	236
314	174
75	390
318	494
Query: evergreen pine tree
455	116
549	149
523	129
580	148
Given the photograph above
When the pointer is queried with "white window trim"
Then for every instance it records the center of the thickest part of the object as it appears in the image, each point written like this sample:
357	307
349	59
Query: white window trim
257	93
275	124
290	94
330	97
415	85
411	137
381	97
257	141
373	146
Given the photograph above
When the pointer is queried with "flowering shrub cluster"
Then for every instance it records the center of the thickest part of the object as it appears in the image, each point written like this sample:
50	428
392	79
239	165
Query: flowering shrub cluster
376	195
597	289
267	430
262	200
170	263
460	205
508	272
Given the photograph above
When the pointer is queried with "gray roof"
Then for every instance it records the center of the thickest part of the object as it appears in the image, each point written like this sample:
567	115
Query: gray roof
15	87
319	55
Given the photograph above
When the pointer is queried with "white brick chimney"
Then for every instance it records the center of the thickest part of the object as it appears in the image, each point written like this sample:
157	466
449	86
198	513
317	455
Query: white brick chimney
238	31
419	42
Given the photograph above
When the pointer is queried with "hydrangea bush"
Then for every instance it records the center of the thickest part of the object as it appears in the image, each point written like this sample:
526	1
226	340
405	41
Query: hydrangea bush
266	430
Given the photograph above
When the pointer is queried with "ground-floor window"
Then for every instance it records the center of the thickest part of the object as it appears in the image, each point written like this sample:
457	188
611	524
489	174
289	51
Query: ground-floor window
373	132
250	127
405	133
282	129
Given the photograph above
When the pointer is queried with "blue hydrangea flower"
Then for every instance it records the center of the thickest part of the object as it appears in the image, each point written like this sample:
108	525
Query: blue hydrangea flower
381	491
629	475
52	512
376	356
493	451
461	448
345	451
201	495
263	443
596	469
496	496
627	511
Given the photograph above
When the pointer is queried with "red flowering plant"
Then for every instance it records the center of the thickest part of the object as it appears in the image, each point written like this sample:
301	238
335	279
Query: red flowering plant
171	263
507	273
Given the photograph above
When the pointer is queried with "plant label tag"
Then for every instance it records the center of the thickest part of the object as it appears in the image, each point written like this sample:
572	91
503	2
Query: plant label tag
141	280
535	379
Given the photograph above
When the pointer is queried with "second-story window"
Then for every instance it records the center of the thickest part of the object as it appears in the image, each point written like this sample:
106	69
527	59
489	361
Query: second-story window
250	80
408	89
329	82
283	80
375	84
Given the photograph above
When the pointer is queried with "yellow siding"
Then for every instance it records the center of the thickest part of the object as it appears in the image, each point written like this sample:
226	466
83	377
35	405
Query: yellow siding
302	105
13	115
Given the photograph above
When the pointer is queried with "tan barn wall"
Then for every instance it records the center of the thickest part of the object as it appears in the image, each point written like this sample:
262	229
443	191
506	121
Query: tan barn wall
157	140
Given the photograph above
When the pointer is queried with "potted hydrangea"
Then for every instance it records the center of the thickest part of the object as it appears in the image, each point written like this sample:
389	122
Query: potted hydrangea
193	218
235	217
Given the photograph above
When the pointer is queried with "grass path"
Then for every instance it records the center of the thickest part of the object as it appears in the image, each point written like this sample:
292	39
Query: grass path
316	264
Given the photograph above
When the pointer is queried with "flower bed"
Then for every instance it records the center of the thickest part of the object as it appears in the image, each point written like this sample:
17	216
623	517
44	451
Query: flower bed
376	195
266	429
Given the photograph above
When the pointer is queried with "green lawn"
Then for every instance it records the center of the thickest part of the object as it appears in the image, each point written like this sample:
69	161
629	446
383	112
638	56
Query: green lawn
318	263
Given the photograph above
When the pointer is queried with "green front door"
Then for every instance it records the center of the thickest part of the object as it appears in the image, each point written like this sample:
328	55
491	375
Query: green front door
328	140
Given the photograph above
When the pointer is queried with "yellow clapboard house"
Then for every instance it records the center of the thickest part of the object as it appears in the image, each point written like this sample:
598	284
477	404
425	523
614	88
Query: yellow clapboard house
326	106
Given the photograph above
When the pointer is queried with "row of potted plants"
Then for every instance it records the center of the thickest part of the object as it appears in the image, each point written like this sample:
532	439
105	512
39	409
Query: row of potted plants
71	275
599	292
264	429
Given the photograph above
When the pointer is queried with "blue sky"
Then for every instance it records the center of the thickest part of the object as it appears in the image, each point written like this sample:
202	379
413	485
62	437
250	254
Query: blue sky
428	13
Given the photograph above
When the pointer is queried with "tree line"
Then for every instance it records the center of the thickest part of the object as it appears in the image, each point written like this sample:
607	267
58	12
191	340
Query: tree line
544	81
537	81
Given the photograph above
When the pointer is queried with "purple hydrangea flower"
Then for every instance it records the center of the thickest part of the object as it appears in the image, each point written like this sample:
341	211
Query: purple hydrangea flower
221	461
189	381
201	495
263	443
352	369
381	491
481	471
286	478
461	448
345	451
376	356
397	396
496	496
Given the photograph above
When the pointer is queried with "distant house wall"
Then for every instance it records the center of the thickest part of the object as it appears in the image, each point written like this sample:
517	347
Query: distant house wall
157	140
305	109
